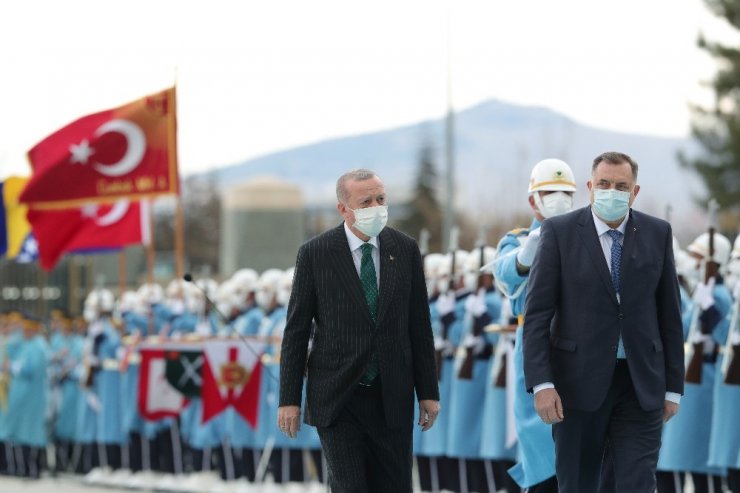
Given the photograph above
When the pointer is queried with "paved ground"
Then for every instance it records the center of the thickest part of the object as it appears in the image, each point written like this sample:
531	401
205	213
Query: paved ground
74	484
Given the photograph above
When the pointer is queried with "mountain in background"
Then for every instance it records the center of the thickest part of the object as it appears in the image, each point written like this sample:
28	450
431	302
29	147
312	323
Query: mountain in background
497	144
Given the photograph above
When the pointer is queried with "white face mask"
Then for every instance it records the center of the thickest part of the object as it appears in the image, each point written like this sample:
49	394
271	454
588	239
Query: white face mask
283	296
553	204
264	299
370	220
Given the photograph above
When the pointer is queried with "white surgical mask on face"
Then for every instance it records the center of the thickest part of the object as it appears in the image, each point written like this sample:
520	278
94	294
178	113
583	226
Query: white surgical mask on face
371	220
553	204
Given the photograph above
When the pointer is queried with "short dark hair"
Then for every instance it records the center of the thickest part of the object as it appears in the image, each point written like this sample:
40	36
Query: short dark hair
359	174
613	157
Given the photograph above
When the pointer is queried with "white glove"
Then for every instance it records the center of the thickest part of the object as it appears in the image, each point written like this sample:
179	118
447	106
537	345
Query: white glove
444	346
445	303
475	304
526	253
476	343
704	294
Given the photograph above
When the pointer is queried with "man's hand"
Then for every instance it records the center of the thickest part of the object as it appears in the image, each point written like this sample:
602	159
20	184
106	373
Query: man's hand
670	409
428	412
289	420
548	406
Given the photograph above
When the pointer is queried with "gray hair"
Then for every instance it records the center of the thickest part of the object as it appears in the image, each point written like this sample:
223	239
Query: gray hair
359	174
615	158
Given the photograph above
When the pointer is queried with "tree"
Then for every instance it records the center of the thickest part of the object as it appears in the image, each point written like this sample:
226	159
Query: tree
717	129
202	224
423	208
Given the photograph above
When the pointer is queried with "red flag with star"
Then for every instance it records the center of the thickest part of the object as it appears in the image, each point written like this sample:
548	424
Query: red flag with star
93	227
126	152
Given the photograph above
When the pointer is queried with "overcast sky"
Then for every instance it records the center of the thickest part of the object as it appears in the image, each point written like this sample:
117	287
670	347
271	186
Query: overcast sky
255	77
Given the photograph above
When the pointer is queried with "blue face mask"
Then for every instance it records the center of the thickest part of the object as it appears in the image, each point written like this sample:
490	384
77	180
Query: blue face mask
611	205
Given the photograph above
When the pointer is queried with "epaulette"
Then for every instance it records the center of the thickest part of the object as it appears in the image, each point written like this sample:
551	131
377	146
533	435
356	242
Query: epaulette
519	231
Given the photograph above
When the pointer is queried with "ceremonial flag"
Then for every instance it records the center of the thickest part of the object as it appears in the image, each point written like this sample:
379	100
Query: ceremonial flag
231	377
157	397
183	371
16	230
126	152
92	227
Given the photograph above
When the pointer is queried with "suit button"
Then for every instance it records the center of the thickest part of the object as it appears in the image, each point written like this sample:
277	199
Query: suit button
614	348
620	316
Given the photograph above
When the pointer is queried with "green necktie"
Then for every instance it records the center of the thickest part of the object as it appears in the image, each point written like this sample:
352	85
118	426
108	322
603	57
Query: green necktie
370	288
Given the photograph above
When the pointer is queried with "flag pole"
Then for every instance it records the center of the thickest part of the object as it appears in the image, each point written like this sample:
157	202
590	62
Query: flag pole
150	247
179	239
122	281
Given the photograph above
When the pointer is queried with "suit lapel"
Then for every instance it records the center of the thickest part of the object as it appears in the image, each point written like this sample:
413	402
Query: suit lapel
346	270
388	262
628	247
587	231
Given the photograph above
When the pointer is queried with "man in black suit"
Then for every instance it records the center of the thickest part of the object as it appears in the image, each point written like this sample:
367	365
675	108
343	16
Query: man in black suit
603	341
372	346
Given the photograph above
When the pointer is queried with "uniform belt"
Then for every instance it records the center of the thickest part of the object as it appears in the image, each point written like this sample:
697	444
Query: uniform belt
111	364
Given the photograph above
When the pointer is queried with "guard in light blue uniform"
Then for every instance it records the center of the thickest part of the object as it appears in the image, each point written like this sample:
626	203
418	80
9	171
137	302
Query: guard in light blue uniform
685	442
446	316
28	394
286	462
724	439
551	189
66	354
11	334
470	375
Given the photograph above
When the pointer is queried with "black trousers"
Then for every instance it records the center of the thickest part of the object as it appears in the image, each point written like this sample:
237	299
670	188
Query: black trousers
362	452
631	434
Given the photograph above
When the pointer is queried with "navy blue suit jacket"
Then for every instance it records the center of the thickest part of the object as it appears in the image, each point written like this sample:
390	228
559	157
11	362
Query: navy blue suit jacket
573	320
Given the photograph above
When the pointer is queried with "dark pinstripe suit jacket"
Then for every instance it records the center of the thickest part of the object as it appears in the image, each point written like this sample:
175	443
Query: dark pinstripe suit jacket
327	290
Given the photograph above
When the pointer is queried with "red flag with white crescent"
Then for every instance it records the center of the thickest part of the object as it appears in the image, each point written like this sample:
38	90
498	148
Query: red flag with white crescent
92	227
126	152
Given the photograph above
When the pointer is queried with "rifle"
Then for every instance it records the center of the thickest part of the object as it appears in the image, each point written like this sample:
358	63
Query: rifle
476	327
424	242
731	360
445	327
695	353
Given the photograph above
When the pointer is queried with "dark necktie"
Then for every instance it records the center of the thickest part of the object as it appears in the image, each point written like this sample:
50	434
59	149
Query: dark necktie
370	288
616	268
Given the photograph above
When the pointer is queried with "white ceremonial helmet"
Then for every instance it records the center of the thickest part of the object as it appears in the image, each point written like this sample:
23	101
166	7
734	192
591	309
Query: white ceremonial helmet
473	266
286	286
722	247
245	281
445	269
130	301
151	293
552	175
268	286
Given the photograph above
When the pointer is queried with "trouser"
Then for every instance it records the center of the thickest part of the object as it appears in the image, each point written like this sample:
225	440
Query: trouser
363	453
631	434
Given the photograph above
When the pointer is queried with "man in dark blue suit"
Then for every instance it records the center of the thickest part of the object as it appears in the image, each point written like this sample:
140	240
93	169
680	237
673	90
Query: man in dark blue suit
372	348
603	341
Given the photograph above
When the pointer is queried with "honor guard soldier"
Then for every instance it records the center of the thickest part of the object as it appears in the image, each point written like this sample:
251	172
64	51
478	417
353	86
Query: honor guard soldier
551	189
28	394
685	442
724	439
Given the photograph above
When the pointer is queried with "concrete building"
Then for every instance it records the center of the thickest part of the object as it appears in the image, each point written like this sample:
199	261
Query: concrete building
263	224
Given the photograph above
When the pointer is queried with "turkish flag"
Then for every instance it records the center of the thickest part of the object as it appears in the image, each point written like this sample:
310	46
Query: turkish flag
92	227
232	376
126	152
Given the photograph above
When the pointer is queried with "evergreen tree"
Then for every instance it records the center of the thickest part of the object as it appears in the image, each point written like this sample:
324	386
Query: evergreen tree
423	209
717	129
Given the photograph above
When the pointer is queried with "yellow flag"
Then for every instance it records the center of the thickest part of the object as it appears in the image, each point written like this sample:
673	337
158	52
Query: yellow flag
15	215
